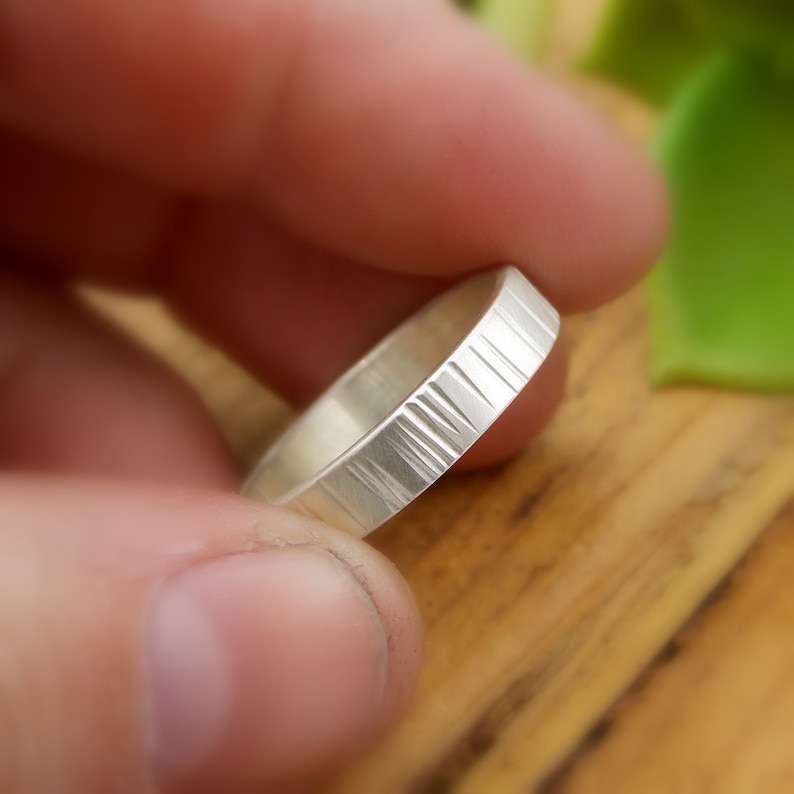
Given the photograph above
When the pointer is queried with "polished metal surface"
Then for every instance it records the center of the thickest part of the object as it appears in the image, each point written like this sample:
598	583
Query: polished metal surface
399	419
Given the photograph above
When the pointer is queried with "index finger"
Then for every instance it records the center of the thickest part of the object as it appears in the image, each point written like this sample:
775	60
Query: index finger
394	133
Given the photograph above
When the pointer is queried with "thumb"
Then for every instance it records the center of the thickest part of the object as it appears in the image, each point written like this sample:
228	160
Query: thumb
157	639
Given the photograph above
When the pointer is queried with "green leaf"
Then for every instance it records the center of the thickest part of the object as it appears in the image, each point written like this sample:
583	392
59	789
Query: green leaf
722	298
521	24
763	27
647	46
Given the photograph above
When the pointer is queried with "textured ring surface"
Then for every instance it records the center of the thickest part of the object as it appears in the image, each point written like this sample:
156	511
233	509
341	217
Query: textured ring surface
401	417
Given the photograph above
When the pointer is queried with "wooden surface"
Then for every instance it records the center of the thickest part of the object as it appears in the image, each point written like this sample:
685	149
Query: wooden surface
612	611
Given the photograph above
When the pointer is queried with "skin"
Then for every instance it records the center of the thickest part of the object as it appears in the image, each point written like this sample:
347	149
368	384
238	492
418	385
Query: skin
293	179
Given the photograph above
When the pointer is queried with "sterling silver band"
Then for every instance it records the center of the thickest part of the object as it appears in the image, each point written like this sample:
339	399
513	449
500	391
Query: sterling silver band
399	419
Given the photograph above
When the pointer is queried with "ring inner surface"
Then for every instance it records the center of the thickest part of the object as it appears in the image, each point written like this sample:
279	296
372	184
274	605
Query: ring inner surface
373	388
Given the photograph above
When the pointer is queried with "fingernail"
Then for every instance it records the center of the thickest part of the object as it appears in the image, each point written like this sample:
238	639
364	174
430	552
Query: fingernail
263	663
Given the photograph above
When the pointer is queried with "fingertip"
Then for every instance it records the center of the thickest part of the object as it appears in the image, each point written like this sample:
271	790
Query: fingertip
624	220
555	188
274	668
463	157
192	637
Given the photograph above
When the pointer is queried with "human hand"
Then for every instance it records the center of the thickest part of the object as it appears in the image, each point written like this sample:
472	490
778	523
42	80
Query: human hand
292	178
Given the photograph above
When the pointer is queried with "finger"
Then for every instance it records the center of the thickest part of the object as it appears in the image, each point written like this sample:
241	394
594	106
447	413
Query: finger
300	316
442	155
318	314
75	396
190	638
294	314
69	217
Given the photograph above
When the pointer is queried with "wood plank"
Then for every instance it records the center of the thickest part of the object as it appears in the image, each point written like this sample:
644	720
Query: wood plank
716	713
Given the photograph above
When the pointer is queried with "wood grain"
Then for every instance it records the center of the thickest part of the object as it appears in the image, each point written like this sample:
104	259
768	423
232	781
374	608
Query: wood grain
721	699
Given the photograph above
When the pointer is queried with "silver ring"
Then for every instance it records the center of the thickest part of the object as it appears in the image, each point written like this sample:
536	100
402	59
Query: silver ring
399	418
